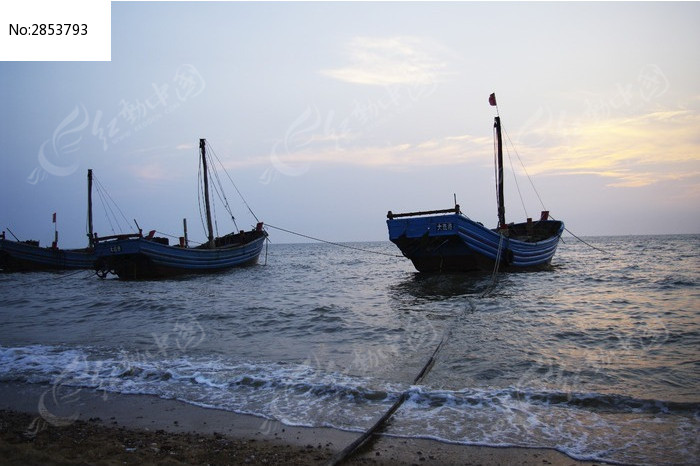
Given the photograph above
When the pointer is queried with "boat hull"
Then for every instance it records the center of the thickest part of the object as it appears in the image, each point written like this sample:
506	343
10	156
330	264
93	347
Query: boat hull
17	256
455	243
141	258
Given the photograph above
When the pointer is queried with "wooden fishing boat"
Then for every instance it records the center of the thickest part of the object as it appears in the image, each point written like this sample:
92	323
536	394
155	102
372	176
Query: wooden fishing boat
30	256
447	240
26	256
136	256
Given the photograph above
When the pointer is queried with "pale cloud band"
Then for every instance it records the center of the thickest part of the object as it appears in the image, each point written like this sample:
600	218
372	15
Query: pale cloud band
631	151
391	60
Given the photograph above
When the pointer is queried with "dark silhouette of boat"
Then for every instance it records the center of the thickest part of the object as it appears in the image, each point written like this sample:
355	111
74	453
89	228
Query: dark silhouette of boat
26	256
448	241
135	256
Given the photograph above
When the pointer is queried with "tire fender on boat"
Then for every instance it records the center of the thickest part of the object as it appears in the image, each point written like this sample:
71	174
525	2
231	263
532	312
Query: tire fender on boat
507	257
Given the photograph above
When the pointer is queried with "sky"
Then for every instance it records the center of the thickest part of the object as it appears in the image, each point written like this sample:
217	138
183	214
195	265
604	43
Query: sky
328	115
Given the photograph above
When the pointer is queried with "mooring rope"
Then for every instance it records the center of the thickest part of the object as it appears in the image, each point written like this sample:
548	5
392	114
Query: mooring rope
177	237
494	275
350	449
57	276
588	244
581	240
331	242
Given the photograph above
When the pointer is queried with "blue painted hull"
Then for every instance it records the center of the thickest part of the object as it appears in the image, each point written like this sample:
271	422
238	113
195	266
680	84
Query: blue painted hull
455	243
140	258
18	256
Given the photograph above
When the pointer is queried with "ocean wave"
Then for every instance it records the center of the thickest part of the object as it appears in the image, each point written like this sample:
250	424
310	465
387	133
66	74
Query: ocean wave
87	367
297	393
593	402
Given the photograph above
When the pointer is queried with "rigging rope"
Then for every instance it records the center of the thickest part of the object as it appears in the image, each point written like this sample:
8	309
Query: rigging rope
515	178
107	203
177	237
234	184
213	208
331	242
200	194
102	188
104	207
524	169
219	189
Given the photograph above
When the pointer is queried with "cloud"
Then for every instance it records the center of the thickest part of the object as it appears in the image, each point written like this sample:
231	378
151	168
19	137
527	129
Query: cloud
155	171
632	151
452	150
391	60
163	163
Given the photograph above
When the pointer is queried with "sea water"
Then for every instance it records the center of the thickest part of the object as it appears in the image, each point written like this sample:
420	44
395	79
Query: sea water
598	358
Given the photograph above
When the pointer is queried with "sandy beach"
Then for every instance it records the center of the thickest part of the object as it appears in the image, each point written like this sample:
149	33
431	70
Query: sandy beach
40	426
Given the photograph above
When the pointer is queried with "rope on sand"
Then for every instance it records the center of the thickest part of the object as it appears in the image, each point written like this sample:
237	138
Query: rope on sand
350	449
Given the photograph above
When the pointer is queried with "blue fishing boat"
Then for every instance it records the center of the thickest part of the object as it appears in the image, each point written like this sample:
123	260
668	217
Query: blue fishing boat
449	241
135	256
29	256
26	256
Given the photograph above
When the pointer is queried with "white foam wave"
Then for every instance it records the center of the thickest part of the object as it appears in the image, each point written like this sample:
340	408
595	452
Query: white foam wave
585	426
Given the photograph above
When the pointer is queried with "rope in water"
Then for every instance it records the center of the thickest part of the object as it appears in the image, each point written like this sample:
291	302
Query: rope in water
60	275
331	242
496	266
588	244
350	449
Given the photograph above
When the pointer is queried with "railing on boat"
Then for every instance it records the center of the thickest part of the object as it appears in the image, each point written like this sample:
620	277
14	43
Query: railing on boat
117	237
455	210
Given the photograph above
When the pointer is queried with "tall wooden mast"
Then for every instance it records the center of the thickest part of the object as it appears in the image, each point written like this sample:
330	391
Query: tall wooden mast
202	150
499	181
91	237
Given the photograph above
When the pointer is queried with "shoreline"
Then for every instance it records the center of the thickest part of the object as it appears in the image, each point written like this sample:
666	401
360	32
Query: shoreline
40	424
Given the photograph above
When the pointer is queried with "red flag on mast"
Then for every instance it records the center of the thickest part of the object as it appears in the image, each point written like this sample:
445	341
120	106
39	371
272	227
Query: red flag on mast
492	100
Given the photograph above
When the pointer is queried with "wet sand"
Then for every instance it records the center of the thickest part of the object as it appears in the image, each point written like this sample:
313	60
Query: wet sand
40	424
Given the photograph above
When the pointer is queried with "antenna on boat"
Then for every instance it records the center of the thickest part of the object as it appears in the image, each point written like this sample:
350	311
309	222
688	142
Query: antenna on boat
13	235
499	173
89	198
210	232
138	227
499	181
184	227
54	245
